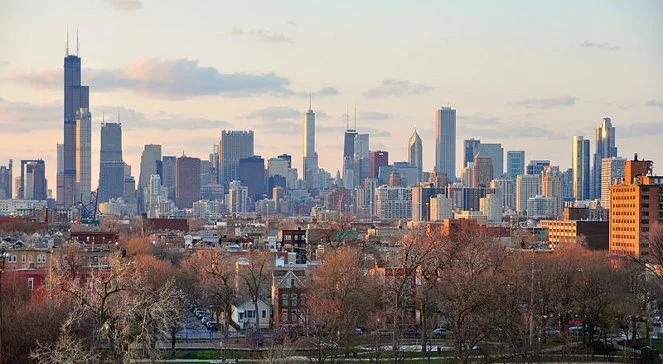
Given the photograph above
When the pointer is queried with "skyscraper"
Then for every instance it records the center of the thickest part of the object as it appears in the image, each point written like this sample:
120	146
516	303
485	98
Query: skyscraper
470	150
148	166
580	162
33	180
187	181
59	173
415	154
83	155
445	142
168	174
421	196
348	155
515	163
527	185
233	145
111	165
378	158
551	186
361	159
252	175
76	97
536	166
612	170
310	163
496	153
482	171
605	148
6	181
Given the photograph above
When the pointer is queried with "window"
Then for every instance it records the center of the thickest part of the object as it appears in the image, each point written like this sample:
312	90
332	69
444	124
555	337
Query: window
284	299
23	258
294	300
12	258
292	282
284	315
31	283
264	314
41	258
250	314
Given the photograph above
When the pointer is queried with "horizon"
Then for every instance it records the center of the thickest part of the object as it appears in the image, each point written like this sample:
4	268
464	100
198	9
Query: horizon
252	73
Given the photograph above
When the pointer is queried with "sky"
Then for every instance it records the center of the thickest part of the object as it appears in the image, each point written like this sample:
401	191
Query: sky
527	74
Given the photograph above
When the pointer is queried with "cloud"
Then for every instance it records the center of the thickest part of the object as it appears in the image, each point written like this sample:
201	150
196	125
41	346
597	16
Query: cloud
596	45
23	116
175	79
274	113
492	127
261	35
655	103
639	129
292	23
548	103
391	87
126	5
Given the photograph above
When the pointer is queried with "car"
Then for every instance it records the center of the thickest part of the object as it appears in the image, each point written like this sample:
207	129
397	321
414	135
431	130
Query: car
577	330
441	331
550	331
411	331
358	331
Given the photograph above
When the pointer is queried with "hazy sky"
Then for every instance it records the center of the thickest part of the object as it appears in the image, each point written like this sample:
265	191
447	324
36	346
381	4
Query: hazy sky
528	74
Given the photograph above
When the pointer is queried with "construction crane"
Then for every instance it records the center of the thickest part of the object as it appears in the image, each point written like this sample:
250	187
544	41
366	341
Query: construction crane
88	211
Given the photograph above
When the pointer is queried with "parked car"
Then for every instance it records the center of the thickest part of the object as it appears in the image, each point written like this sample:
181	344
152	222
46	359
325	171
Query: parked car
358	331
552	331
577	330
411	331
441	331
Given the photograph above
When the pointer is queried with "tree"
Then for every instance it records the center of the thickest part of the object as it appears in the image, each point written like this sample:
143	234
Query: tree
255	274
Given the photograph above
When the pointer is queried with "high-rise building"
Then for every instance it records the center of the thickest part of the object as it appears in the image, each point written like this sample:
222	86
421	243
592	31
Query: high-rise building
238	197
580	162
470	150
187	181
635	207
612	172
539	207
252	175
415	154
310	163
148	166
505	190
551	186
378	158
168	163
482	171
59	174
567	184
277	166
111	165
605	148
445	142
233	145
441	207
491	207
6	181
421	195
76	97
515	163
527	185
33	180
536	166
361	159
496	153
467	198
83	155
393	202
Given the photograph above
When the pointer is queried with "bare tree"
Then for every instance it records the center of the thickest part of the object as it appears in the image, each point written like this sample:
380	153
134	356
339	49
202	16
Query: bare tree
255	275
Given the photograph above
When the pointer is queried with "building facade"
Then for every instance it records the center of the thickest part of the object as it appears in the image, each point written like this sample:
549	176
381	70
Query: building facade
445	142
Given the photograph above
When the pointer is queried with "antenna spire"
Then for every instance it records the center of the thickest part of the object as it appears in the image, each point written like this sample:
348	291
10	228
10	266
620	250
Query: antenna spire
76	42
103	117
309	102
66	48
118	116
347	118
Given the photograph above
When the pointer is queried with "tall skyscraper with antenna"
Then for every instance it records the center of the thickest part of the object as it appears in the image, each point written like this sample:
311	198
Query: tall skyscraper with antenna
76	97
349	151
310	157
605	148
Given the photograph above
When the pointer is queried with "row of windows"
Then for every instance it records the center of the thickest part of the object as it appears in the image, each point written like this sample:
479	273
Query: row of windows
622	236
291	315
292	299
41	258
623	244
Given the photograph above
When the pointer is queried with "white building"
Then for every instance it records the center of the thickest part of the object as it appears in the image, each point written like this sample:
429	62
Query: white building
505	189
539	207
393	202
527	185
491	206
612	169
441	207
244	314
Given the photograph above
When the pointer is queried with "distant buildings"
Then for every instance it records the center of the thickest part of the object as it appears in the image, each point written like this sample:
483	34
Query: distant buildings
580	162
6	181
605	148
148	166
238	197
33	180
551	186
310	162
361	166
612	172
515	163
187	181
536	166
482	171
445	142
252	175
496	153
421	195
83	155
527	186
378	158
415	154
470	150
111	165
393	202
441	208
233	146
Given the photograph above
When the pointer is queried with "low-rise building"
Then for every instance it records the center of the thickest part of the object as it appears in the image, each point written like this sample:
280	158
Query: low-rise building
593	234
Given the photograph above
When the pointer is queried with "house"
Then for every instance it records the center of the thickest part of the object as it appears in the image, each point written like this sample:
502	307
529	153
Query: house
289	295
295	241
244	314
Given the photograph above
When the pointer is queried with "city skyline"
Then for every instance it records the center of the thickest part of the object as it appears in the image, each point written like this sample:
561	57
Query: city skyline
531	115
